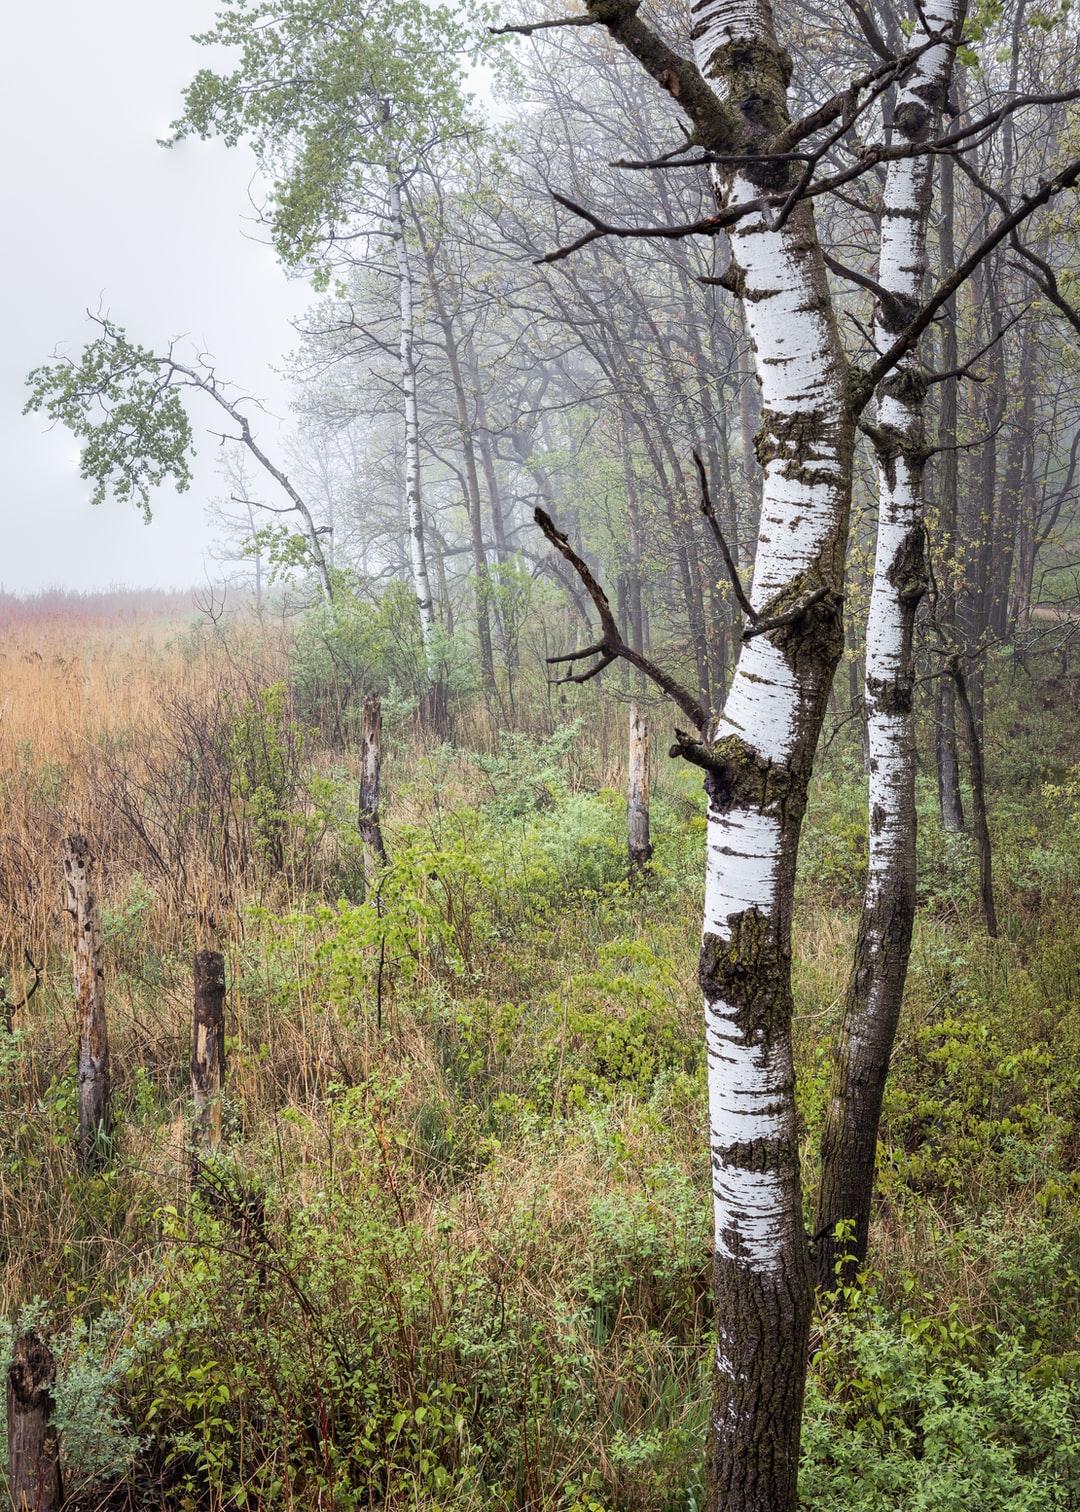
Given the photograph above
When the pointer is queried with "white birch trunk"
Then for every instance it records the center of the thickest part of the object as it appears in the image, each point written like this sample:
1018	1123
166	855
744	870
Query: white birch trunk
425	602
767	735
639	847
874	996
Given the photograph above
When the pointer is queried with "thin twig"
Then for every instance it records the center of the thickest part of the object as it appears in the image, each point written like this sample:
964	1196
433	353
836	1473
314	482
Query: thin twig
709	512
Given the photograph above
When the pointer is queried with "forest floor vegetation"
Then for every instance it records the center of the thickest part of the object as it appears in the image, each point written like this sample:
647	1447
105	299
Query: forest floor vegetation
454	1250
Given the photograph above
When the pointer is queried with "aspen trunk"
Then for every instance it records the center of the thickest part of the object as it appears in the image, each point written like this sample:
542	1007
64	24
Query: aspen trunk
633	514
82	906
370	775
208	1047
950	798
879	971
1012	491
1024	577
33	1449
639	849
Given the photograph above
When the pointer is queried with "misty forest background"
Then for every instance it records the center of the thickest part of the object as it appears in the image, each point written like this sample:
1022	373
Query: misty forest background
454	1249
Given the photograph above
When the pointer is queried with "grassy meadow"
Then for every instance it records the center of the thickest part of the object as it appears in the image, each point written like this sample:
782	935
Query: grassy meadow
454	1252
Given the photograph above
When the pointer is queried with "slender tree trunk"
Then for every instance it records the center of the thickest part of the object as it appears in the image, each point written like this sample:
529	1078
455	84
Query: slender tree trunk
983	531
876	988
638	846
425	602
856	702
208	1048
674	490
482	582
257	555
947	752
1024	577
1012	489
980	822
762	750
633	519
82	906
33	1448
748	421
370	826
731	534
945	747
487	454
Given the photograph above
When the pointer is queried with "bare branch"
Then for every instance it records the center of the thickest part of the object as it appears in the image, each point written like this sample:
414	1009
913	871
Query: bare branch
527	30
964	370
862	279
870	31
611	644
778	621
9	1009
844	106
709	512
709	226
1044	278
699	754
708	159
1066	179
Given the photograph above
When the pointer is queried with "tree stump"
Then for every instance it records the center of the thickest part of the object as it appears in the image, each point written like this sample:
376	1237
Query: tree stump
639	848
82	905
208	1047
370	774
33	1447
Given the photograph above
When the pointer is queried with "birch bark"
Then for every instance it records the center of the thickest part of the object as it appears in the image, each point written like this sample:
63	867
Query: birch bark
638	846
764	742
425	602
759	753
876	987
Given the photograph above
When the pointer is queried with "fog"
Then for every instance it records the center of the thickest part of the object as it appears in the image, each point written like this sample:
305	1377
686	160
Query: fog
100	216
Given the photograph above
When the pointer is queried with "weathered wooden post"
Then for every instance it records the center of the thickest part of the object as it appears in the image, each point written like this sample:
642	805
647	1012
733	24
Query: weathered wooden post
208	1047
82	905
33	1448
637	798
370	771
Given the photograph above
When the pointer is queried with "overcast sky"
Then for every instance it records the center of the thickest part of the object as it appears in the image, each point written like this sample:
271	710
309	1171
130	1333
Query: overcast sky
97	214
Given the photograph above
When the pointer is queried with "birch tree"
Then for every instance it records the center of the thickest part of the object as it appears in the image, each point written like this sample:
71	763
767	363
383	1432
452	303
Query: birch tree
876	987
341	108
758	755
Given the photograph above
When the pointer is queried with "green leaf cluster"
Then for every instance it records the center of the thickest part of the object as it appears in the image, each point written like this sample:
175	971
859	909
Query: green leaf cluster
117	399
334	98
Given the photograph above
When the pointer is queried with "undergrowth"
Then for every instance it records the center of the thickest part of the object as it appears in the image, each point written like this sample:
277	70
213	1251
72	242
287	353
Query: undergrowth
455	1250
